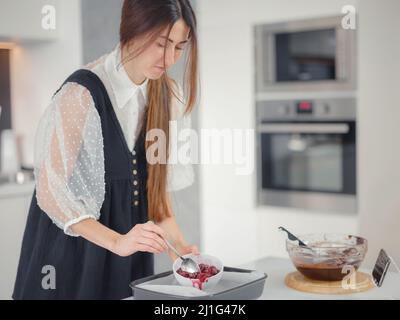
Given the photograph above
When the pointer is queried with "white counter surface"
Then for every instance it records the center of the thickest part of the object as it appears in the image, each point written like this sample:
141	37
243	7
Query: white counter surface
275	288
10	190
278	268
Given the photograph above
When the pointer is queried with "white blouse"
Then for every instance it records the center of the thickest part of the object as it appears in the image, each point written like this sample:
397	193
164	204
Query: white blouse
69	156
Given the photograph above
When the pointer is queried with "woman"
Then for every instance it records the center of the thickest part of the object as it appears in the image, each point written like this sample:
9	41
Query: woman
100	210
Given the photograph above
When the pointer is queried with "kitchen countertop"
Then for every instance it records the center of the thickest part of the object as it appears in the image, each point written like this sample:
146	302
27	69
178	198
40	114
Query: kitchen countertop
9	190
275	288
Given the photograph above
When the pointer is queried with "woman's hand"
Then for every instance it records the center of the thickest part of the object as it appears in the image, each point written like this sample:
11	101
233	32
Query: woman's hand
147	237
183	249
191	248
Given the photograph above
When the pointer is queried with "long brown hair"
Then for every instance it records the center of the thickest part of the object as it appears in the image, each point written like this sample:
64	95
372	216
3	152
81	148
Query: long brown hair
150	18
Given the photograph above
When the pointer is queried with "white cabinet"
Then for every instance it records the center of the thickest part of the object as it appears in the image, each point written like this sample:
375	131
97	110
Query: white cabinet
14	206
33	20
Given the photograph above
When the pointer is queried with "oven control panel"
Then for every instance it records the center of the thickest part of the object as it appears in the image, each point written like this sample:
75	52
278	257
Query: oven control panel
304	107
313	109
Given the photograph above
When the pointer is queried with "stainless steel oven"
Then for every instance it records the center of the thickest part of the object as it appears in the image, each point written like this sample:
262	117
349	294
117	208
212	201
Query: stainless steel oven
306	55
307	154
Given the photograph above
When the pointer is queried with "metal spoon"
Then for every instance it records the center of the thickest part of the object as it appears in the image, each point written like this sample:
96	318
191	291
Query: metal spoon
188	264
292	237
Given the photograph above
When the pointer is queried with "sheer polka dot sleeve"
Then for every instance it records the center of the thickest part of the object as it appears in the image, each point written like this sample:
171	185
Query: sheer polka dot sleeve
69	158
180	173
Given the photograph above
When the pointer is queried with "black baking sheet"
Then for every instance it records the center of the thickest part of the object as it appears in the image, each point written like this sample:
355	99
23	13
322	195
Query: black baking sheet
226	289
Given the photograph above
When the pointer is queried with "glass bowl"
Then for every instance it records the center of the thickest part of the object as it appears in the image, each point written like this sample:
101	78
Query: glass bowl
331	257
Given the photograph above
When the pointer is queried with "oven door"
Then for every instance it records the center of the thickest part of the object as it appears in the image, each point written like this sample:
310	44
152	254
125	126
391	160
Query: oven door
306	160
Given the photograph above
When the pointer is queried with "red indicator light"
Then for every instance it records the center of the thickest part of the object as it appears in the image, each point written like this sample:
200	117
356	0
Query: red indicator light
305	105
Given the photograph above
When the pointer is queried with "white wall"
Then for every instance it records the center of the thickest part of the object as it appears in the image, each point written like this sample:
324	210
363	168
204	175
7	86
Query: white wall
233	228
39	68
22	20
379	130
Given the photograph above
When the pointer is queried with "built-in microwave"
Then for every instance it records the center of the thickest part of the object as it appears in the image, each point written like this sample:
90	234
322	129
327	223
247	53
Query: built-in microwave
307	55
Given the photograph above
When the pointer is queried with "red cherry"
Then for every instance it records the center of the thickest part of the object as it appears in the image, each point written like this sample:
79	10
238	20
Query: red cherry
206	271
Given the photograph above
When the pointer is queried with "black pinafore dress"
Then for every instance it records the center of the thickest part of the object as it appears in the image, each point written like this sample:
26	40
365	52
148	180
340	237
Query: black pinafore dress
84	270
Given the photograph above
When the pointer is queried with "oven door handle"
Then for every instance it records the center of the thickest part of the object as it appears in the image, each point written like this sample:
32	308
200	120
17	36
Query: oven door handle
329	128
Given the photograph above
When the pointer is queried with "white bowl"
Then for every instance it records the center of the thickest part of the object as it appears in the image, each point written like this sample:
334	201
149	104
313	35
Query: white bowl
203	258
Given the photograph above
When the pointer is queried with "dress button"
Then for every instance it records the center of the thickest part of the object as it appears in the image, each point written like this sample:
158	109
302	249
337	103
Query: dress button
136	203
135	182
135	193
134	172
134	152
134	161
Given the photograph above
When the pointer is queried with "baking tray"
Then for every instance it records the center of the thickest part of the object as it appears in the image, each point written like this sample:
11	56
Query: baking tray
243	291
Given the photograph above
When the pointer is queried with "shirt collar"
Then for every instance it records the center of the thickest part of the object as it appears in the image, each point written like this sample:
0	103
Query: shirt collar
123	87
